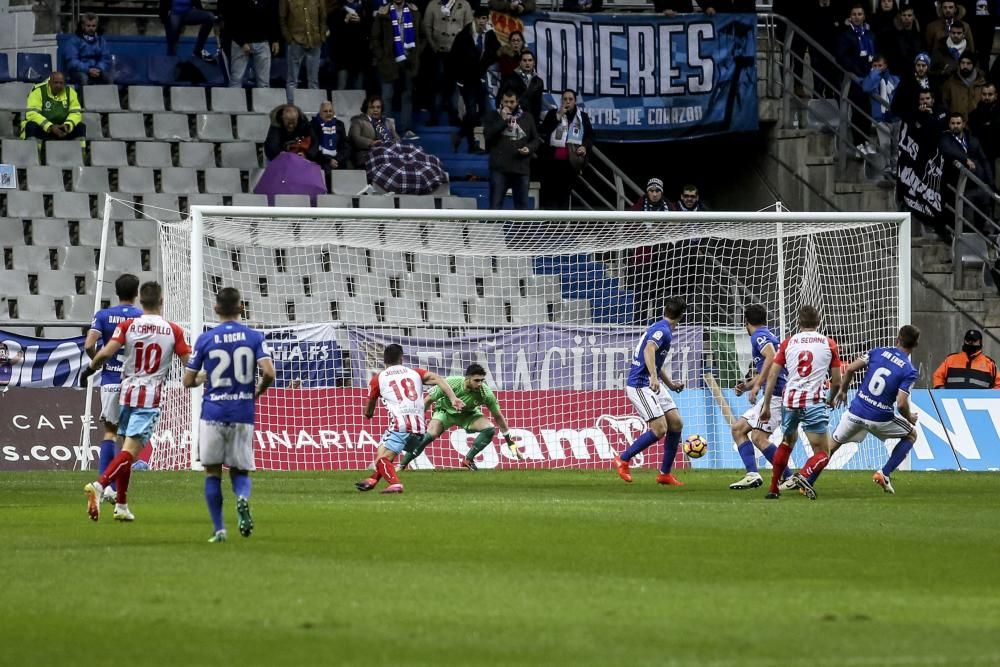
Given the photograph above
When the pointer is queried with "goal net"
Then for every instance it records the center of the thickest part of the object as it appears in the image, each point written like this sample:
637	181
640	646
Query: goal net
551	304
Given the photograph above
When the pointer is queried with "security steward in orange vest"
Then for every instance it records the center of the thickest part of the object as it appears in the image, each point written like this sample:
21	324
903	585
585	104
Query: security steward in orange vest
968	369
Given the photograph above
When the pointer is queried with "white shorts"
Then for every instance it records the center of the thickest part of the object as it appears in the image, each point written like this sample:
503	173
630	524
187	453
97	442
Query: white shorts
853	428
649	405
753	415
111	408
226	444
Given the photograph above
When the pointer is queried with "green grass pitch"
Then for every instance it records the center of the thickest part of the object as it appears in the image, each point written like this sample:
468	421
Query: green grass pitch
505	568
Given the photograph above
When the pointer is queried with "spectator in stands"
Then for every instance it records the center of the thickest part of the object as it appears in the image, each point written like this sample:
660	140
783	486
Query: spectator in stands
653	199
253	27
947	51
513	7
511	139
645	262
981	15
332	137
303	25
472	53
88	58
673	7
968	369
690	200
396	43
881	85
580	6
959	146
950	14
925	11
53	111
527	84
370	128
290	132
902	41
855	51
509	55
566	137
904	102
984	123
883	17
176	14
350	24
822	21
713	7
962	91
443	21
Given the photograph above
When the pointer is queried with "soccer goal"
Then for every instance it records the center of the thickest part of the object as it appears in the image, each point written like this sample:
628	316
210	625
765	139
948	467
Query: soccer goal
551	304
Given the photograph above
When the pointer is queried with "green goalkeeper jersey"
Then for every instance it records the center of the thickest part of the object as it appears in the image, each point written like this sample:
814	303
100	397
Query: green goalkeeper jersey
472	399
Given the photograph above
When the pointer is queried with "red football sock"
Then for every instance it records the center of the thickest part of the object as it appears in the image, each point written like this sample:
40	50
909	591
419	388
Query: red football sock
122	484
780	462
815	464
377	475
121	462
387	470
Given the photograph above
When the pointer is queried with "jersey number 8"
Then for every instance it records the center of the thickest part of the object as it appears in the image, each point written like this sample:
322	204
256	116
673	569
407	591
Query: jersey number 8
241	361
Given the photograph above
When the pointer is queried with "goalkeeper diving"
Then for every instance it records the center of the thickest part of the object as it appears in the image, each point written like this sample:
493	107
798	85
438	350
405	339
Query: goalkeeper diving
471	390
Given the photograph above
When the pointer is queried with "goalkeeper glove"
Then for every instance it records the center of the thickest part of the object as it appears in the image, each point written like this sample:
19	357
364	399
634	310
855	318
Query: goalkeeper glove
514	447
85	375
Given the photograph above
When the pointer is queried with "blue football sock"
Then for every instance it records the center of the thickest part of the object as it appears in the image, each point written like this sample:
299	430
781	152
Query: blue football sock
673	439
241	484
899	453
108	453
769	455
749	455
813	477
641	443
213	498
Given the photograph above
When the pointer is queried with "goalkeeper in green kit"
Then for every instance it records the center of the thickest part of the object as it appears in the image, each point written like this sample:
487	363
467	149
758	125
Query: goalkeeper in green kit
472	390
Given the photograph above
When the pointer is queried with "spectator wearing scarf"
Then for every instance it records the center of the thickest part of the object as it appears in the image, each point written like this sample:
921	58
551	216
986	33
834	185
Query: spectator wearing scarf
567	137
855	51
511	139
333	147
472	54
88	58
946	53
527	84
370	128
644	262
950	13
396	44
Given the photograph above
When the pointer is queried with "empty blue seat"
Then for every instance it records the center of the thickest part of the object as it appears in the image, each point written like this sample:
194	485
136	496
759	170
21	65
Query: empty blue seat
33	67
4	68
130	69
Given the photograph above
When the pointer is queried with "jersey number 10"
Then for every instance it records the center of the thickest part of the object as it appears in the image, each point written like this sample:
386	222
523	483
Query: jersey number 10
148	357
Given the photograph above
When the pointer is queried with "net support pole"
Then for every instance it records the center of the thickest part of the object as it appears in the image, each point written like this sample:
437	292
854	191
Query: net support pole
904	270
197	305
98	294
780	247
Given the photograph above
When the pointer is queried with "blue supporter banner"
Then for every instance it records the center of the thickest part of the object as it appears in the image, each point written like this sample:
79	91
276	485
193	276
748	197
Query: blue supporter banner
646	77
37	362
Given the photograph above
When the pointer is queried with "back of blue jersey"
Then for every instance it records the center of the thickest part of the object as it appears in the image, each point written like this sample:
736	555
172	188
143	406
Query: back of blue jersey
661	335
106	321
229	354
760	339
889	371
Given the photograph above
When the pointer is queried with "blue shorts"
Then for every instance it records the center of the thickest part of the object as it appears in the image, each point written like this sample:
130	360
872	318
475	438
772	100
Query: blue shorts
394	441
138	423
814	419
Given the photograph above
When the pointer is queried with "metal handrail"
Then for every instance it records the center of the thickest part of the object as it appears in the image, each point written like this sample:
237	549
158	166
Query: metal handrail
623	189
963	224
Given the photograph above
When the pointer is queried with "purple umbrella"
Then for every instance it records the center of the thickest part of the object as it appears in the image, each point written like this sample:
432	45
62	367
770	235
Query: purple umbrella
404	169
291	174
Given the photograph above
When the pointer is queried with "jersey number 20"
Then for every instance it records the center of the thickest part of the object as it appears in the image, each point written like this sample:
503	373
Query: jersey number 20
241	361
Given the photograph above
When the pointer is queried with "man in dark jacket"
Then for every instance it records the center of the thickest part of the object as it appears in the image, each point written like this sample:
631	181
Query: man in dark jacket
822	20
527	84
290	132
511	139
855	51
253	27
958	145
472	53
176	14
901	43
984	123
88	58
331	136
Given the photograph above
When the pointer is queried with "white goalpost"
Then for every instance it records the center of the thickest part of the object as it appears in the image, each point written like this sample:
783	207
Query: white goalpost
550	303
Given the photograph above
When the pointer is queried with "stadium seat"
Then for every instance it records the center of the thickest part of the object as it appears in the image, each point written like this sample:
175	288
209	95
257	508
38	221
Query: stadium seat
292	200
171	127
516	265
101	97
35	308
415	201
214	127
223	181
346	103
376	201
111	153
31	258
7	129
78	258
145	98
63	153
309	99
420	286
14	94
239	154
264	100
34	67
334	201
402	311
388	262
129	126
188	100
133	69
46	179
90	231
92	120
123	207
208	200
163	207
154	154
459	203
502	286
350	182
49	232
122	259
491	311
13	283
544	286
178	180
70	205
141	233
253	127
229	100
135	181
57	283
576	311
248	199
530	311
25	204
4	68
78	308
445	311
11	232
197	155
91	179
20	152
484	236
430	264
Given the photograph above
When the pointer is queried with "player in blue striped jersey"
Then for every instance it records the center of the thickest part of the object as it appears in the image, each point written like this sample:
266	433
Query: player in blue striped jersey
651	399
226	359
101	329
749	431
887	383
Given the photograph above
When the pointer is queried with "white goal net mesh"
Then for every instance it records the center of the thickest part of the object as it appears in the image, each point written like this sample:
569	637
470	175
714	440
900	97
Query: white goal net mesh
552	310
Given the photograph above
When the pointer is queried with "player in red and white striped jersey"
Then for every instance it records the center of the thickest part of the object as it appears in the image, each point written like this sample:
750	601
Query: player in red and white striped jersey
401	390
810	358
150	344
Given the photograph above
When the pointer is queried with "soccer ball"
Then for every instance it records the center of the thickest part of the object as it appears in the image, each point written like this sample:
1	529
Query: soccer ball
695	446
